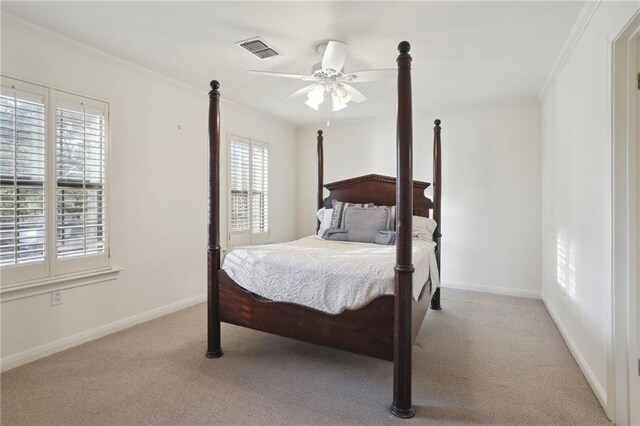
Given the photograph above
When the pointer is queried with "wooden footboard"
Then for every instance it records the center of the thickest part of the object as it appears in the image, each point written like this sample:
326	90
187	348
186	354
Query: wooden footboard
366	331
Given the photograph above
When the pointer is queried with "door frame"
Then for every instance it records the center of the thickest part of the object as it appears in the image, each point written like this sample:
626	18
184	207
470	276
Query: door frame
624	383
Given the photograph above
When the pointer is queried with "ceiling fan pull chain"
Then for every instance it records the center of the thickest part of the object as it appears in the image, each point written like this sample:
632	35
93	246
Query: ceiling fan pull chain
328	112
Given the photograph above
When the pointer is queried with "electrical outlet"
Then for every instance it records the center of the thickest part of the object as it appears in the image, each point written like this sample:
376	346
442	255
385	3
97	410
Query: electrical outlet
56	298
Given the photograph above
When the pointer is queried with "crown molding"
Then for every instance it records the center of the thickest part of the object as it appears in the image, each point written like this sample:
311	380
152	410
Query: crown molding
580	25
112	60
99	55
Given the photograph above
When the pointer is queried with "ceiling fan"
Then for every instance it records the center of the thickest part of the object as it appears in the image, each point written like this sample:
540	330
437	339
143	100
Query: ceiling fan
329	77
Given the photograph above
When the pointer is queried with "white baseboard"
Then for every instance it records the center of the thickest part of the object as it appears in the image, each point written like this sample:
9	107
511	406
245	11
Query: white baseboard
597	388
505	291
59	345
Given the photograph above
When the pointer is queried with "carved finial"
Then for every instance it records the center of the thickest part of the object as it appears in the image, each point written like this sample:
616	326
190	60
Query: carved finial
404	47
319	132
214	85
437	122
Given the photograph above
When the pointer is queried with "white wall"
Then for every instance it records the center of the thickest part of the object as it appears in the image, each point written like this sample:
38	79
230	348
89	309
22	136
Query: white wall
576	122
158	200
491	187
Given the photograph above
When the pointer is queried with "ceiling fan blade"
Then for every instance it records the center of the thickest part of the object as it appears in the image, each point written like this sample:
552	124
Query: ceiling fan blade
284	75
334	56
370	75
300	92
356	95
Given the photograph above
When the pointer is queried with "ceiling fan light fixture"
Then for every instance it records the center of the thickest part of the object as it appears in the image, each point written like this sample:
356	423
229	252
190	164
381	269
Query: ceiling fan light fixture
338	102
316	94
312	104
315	97
344	95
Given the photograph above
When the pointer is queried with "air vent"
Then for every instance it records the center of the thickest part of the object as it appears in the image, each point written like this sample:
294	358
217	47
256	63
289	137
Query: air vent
258	48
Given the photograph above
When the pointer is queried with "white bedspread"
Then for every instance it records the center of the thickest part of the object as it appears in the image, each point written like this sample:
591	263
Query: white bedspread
330	276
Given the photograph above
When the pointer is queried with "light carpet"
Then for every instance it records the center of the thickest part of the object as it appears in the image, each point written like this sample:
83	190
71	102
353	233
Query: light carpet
483	359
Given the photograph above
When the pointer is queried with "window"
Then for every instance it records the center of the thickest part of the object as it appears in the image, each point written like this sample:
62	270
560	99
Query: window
249	191
53	190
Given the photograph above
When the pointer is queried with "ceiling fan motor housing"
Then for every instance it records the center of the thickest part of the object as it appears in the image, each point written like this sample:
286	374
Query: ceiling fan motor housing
321	46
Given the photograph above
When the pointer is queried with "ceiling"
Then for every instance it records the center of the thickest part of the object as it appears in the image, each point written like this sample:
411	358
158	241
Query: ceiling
465	54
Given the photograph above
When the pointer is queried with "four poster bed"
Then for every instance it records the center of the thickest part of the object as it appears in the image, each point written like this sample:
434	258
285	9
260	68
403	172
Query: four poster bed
384	327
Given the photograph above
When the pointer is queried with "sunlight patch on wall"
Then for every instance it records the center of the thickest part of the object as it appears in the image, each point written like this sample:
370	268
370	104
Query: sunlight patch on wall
561	260
565	265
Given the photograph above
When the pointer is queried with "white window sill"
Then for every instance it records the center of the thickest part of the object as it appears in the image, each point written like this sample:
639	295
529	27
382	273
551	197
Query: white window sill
64	282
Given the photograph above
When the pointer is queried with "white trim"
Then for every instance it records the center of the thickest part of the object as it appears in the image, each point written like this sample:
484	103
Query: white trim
624	384
483	288
579	26
109	59
99	55
59	345
597	388
634	244
61	282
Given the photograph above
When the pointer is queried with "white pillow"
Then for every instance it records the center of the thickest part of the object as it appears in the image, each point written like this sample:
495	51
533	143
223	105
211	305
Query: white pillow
324	216
423	228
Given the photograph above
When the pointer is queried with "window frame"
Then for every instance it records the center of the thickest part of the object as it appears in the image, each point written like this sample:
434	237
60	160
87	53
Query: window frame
249	237
86	262
53	268
12	274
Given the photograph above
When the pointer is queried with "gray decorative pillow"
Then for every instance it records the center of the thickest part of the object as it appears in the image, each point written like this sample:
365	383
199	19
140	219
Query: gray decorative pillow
364	223
386	237
339	208
392	220
335	234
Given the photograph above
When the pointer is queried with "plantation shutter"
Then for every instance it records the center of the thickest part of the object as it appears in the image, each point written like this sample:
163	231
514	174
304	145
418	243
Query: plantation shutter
239	175
249	192
260	192
80	177
53	153
22	177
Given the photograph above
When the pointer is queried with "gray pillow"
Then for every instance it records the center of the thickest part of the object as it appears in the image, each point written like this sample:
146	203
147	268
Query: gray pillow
364	223
386	237
339	207
335	234
392	219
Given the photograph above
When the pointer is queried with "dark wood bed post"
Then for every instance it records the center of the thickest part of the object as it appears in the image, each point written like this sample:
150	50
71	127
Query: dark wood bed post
402	406
320	173
213	246
437	204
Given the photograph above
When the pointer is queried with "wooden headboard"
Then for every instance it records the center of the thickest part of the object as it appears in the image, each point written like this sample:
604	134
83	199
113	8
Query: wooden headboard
377	189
